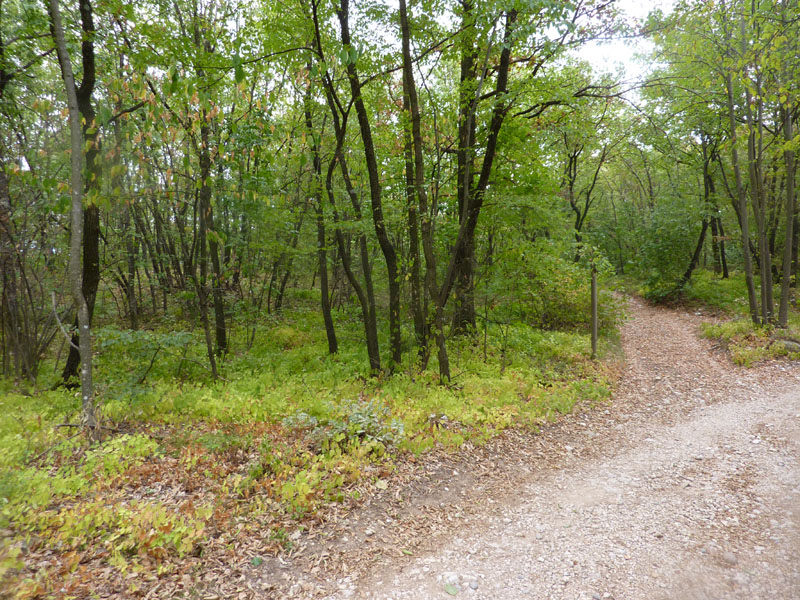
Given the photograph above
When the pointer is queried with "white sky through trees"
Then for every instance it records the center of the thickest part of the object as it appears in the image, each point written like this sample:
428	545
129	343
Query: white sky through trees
621	54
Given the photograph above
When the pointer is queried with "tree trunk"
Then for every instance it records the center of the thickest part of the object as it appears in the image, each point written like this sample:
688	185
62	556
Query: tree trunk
365	294
365	297
413	234
77	222
91	213
13	352
416	185
322	255
696	256
788	157
387	248
742	203
464	310
210	234
466	231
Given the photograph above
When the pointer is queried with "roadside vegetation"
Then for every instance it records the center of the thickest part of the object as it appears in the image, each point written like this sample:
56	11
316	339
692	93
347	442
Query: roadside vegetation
256	255
285	431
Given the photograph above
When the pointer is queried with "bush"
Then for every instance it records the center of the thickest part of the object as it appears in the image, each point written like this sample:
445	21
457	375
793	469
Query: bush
349	424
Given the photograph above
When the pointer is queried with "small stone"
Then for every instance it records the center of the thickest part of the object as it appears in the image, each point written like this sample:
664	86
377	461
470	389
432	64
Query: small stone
369	532
473	585
597	597
730	558
450	578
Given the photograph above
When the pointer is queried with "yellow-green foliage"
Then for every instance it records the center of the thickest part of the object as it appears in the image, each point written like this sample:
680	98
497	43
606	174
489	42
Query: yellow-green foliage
746	342
287	430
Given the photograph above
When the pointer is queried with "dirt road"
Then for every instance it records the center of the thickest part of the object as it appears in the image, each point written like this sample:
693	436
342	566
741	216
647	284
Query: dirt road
686	487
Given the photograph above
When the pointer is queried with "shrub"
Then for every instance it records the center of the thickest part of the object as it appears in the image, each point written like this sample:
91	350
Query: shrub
349	424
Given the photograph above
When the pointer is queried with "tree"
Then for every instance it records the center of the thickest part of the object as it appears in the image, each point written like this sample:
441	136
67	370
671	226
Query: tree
76	212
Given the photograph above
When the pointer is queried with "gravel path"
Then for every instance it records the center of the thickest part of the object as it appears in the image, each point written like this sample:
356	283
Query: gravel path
686	487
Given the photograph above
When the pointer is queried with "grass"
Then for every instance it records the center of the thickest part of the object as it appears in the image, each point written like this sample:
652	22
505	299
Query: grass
286	431
747	343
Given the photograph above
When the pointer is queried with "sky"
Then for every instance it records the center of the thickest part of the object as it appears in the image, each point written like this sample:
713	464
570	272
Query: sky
611	56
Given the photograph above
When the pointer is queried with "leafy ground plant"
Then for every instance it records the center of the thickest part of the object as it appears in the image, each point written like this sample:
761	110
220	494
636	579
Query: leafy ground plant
289	431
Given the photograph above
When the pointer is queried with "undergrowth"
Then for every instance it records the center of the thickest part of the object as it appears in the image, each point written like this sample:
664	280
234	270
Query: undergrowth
285	431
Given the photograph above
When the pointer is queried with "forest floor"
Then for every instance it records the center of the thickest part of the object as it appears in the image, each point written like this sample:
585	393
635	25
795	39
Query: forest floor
686	485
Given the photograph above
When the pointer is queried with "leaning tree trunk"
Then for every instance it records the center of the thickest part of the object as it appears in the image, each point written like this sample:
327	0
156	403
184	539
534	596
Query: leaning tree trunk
76	217
466	231
373	173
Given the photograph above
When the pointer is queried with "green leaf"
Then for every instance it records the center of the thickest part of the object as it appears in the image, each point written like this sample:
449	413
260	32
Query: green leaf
451	589
238	72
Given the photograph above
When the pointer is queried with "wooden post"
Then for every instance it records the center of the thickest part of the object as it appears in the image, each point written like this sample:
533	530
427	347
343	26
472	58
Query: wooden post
594	312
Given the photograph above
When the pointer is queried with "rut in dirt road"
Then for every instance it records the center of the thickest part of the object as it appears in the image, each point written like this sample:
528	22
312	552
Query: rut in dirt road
686	487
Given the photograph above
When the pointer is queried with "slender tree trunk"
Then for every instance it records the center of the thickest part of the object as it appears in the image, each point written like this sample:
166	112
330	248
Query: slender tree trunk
322	255
758	201
466	231
715	257
77	222
91	213
696	255
795	245
201	288
788	157
13	352
415	182
464	309
365	294
379	222
742	203
128	230
413	237
213	244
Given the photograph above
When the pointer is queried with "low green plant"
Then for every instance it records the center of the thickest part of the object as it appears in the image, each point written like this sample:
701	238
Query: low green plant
746	342
349	424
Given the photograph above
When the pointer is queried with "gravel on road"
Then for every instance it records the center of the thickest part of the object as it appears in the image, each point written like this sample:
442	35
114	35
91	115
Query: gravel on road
686	486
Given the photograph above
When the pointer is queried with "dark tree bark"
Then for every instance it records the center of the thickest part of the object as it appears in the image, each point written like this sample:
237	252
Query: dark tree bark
379	222
741	197
466	232
788	157
365	293
464	310
413	235
91	213
415	190
13	351
322	255
210	233
76	217
417	184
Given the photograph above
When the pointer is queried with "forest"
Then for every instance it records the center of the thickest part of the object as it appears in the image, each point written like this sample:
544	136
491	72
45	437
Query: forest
255	255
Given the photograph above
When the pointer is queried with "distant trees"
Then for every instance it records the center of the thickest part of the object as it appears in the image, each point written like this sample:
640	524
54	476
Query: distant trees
719	108
228	162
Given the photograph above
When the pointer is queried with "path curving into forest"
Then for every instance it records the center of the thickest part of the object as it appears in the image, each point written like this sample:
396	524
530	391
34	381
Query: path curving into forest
687	486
